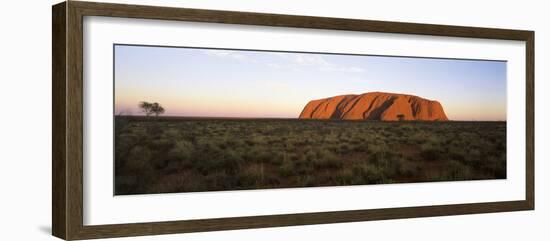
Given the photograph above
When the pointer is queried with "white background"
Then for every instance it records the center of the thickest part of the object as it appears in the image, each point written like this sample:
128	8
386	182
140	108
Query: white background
25	123
100	207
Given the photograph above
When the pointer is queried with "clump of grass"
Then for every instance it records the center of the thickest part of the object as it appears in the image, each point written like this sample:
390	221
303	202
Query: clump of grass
286	169
139	158
310	155
368	174
408	168
344	177
306	180
456	171
251	176
326	159
430	152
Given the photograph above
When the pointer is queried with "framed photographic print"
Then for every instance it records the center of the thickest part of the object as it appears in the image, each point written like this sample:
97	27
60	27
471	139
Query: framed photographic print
171	120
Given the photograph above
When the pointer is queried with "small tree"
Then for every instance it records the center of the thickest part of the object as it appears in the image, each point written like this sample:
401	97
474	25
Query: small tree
157	109
401	117
146	107
151	108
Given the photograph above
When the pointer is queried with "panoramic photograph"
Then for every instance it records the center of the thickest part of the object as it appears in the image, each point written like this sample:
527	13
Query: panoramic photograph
199	119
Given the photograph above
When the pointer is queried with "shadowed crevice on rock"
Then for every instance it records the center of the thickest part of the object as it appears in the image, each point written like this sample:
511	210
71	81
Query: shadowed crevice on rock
376	114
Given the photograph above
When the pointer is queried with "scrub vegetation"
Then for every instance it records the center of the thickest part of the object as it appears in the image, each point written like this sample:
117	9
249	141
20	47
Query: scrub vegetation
175	154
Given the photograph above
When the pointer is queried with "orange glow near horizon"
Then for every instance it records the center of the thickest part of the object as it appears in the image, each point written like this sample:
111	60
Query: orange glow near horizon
248	84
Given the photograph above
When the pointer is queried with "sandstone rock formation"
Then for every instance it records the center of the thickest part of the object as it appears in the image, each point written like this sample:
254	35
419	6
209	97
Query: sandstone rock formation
375	106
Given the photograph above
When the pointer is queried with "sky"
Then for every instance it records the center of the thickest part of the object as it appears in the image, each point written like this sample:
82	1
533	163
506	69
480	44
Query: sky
266	84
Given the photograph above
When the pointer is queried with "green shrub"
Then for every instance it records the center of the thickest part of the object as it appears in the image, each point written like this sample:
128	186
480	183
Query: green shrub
368	174
286	169
430	152
408	168
344	148
456	171
139	159
251	176
327	159
231	162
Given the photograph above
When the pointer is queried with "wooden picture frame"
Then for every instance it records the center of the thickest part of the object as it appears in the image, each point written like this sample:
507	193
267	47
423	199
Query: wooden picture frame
67	159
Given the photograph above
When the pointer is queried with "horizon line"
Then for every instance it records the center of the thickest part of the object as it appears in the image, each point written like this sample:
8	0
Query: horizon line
292	118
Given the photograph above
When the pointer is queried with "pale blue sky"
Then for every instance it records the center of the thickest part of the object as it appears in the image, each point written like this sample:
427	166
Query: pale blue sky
236	83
